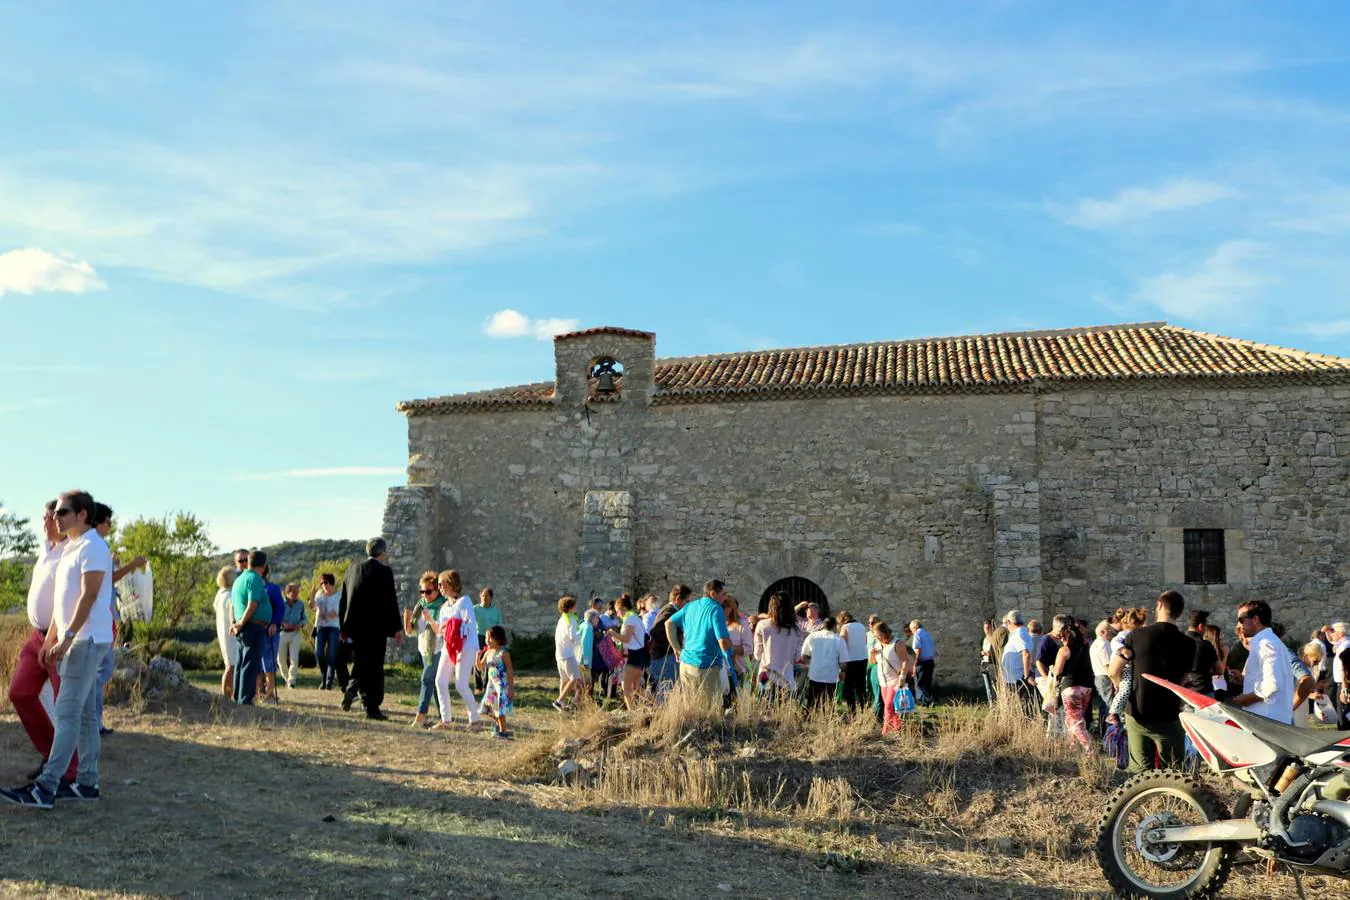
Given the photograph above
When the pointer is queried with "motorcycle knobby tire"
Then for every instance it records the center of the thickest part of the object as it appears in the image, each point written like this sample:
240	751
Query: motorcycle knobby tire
1214	871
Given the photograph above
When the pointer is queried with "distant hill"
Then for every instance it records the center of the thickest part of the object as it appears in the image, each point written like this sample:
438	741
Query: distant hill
295	560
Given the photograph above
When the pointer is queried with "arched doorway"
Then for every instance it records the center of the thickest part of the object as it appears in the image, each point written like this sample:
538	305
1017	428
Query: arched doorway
799	590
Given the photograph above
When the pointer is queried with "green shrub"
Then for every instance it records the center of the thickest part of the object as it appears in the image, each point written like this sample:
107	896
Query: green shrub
532	652
192	657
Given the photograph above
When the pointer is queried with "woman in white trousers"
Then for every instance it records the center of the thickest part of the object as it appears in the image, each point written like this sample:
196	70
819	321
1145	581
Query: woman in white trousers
458	632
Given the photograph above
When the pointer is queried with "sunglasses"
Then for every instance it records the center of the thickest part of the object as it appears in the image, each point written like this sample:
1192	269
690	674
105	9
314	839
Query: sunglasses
63	511
427	591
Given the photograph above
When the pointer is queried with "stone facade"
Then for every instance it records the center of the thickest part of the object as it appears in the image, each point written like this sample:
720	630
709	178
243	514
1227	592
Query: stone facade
947	506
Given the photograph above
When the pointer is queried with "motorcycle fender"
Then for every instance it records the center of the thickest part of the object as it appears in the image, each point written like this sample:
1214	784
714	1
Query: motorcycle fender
1224	745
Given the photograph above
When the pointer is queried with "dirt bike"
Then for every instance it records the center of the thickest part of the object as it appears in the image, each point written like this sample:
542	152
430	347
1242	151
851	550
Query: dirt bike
1167	834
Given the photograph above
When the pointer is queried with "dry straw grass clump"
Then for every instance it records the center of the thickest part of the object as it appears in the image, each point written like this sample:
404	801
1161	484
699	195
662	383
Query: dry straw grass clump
14	632
827	766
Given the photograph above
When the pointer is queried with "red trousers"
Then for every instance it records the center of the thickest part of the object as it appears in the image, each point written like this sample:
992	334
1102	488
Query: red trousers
24	688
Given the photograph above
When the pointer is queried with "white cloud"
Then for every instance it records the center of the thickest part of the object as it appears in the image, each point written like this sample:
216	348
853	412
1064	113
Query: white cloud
1140	202
548	329
506	323
26	405
510	323
331	472
1222	284
1328	329
33	271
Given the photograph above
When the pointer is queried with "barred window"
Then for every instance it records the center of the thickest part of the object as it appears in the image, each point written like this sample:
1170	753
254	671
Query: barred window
1204	556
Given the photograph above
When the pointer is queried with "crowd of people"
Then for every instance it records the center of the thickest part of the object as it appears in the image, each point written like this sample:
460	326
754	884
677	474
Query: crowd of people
1074	674
259	626
641	649
1080	679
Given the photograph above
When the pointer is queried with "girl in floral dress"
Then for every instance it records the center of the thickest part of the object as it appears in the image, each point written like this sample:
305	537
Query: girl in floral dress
495	661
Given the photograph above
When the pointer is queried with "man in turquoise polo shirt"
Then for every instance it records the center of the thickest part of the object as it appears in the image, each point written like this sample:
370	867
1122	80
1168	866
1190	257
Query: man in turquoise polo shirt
699	638
252	616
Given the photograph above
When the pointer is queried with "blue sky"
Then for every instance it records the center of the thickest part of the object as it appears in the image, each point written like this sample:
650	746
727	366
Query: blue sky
233	235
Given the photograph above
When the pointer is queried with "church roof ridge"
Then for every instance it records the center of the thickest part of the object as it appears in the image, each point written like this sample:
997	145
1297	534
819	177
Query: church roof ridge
1130	353
1043	332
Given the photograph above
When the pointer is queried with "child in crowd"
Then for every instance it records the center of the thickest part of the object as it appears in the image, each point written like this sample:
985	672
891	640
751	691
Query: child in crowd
499	698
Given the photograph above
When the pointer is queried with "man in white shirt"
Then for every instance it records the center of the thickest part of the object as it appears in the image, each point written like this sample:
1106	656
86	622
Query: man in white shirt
78	639
30	674
826	652
1016	662
1268	677
1100	654
1339	634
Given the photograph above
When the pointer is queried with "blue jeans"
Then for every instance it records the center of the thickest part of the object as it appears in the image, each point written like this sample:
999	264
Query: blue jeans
428	691
252	645
664	672
76	726
271	646
326	649
924	681
105	674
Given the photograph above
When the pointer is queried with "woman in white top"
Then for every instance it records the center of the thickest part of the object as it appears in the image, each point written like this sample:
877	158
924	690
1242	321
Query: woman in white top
856	639
459	648
229	644
633	635
895	665
566	652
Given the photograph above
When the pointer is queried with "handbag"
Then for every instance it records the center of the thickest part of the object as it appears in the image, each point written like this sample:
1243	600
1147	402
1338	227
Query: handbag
1116	746
611	654
904	700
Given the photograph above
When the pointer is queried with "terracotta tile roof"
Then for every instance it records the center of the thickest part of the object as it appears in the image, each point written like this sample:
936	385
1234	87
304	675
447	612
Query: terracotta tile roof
1147	352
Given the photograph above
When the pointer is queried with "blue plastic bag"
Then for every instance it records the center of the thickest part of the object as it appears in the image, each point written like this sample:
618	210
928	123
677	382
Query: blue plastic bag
904	700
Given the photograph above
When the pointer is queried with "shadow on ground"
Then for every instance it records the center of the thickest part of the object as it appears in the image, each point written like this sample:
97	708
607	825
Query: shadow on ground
218	802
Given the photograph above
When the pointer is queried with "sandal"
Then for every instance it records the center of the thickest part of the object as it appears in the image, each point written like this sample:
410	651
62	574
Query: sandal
476	726
442	726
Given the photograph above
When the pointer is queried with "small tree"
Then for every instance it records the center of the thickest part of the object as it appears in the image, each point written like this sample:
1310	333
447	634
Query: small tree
179	550
311	584
17	544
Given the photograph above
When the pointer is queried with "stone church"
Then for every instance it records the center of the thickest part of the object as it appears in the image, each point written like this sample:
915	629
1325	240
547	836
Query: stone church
945	479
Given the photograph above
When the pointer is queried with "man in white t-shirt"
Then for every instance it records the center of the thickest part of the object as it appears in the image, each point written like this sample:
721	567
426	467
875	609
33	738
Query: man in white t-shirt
1100	655
30	674
78	639
826	652
1016	662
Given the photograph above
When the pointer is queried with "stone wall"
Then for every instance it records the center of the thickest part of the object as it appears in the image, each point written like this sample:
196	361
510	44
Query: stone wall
885	502
1124	472
606	557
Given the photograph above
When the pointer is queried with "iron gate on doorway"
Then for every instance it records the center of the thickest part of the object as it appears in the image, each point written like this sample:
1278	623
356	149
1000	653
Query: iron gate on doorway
798	590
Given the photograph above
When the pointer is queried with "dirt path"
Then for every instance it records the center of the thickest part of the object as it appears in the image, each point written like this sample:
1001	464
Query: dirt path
302	800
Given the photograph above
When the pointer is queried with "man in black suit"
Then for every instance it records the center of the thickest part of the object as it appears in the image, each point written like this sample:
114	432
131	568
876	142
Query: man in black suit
368	615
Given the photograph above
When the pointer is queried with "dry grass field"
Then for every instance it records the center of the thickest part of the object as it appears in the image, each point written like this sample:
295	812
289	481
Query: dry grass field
202	799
